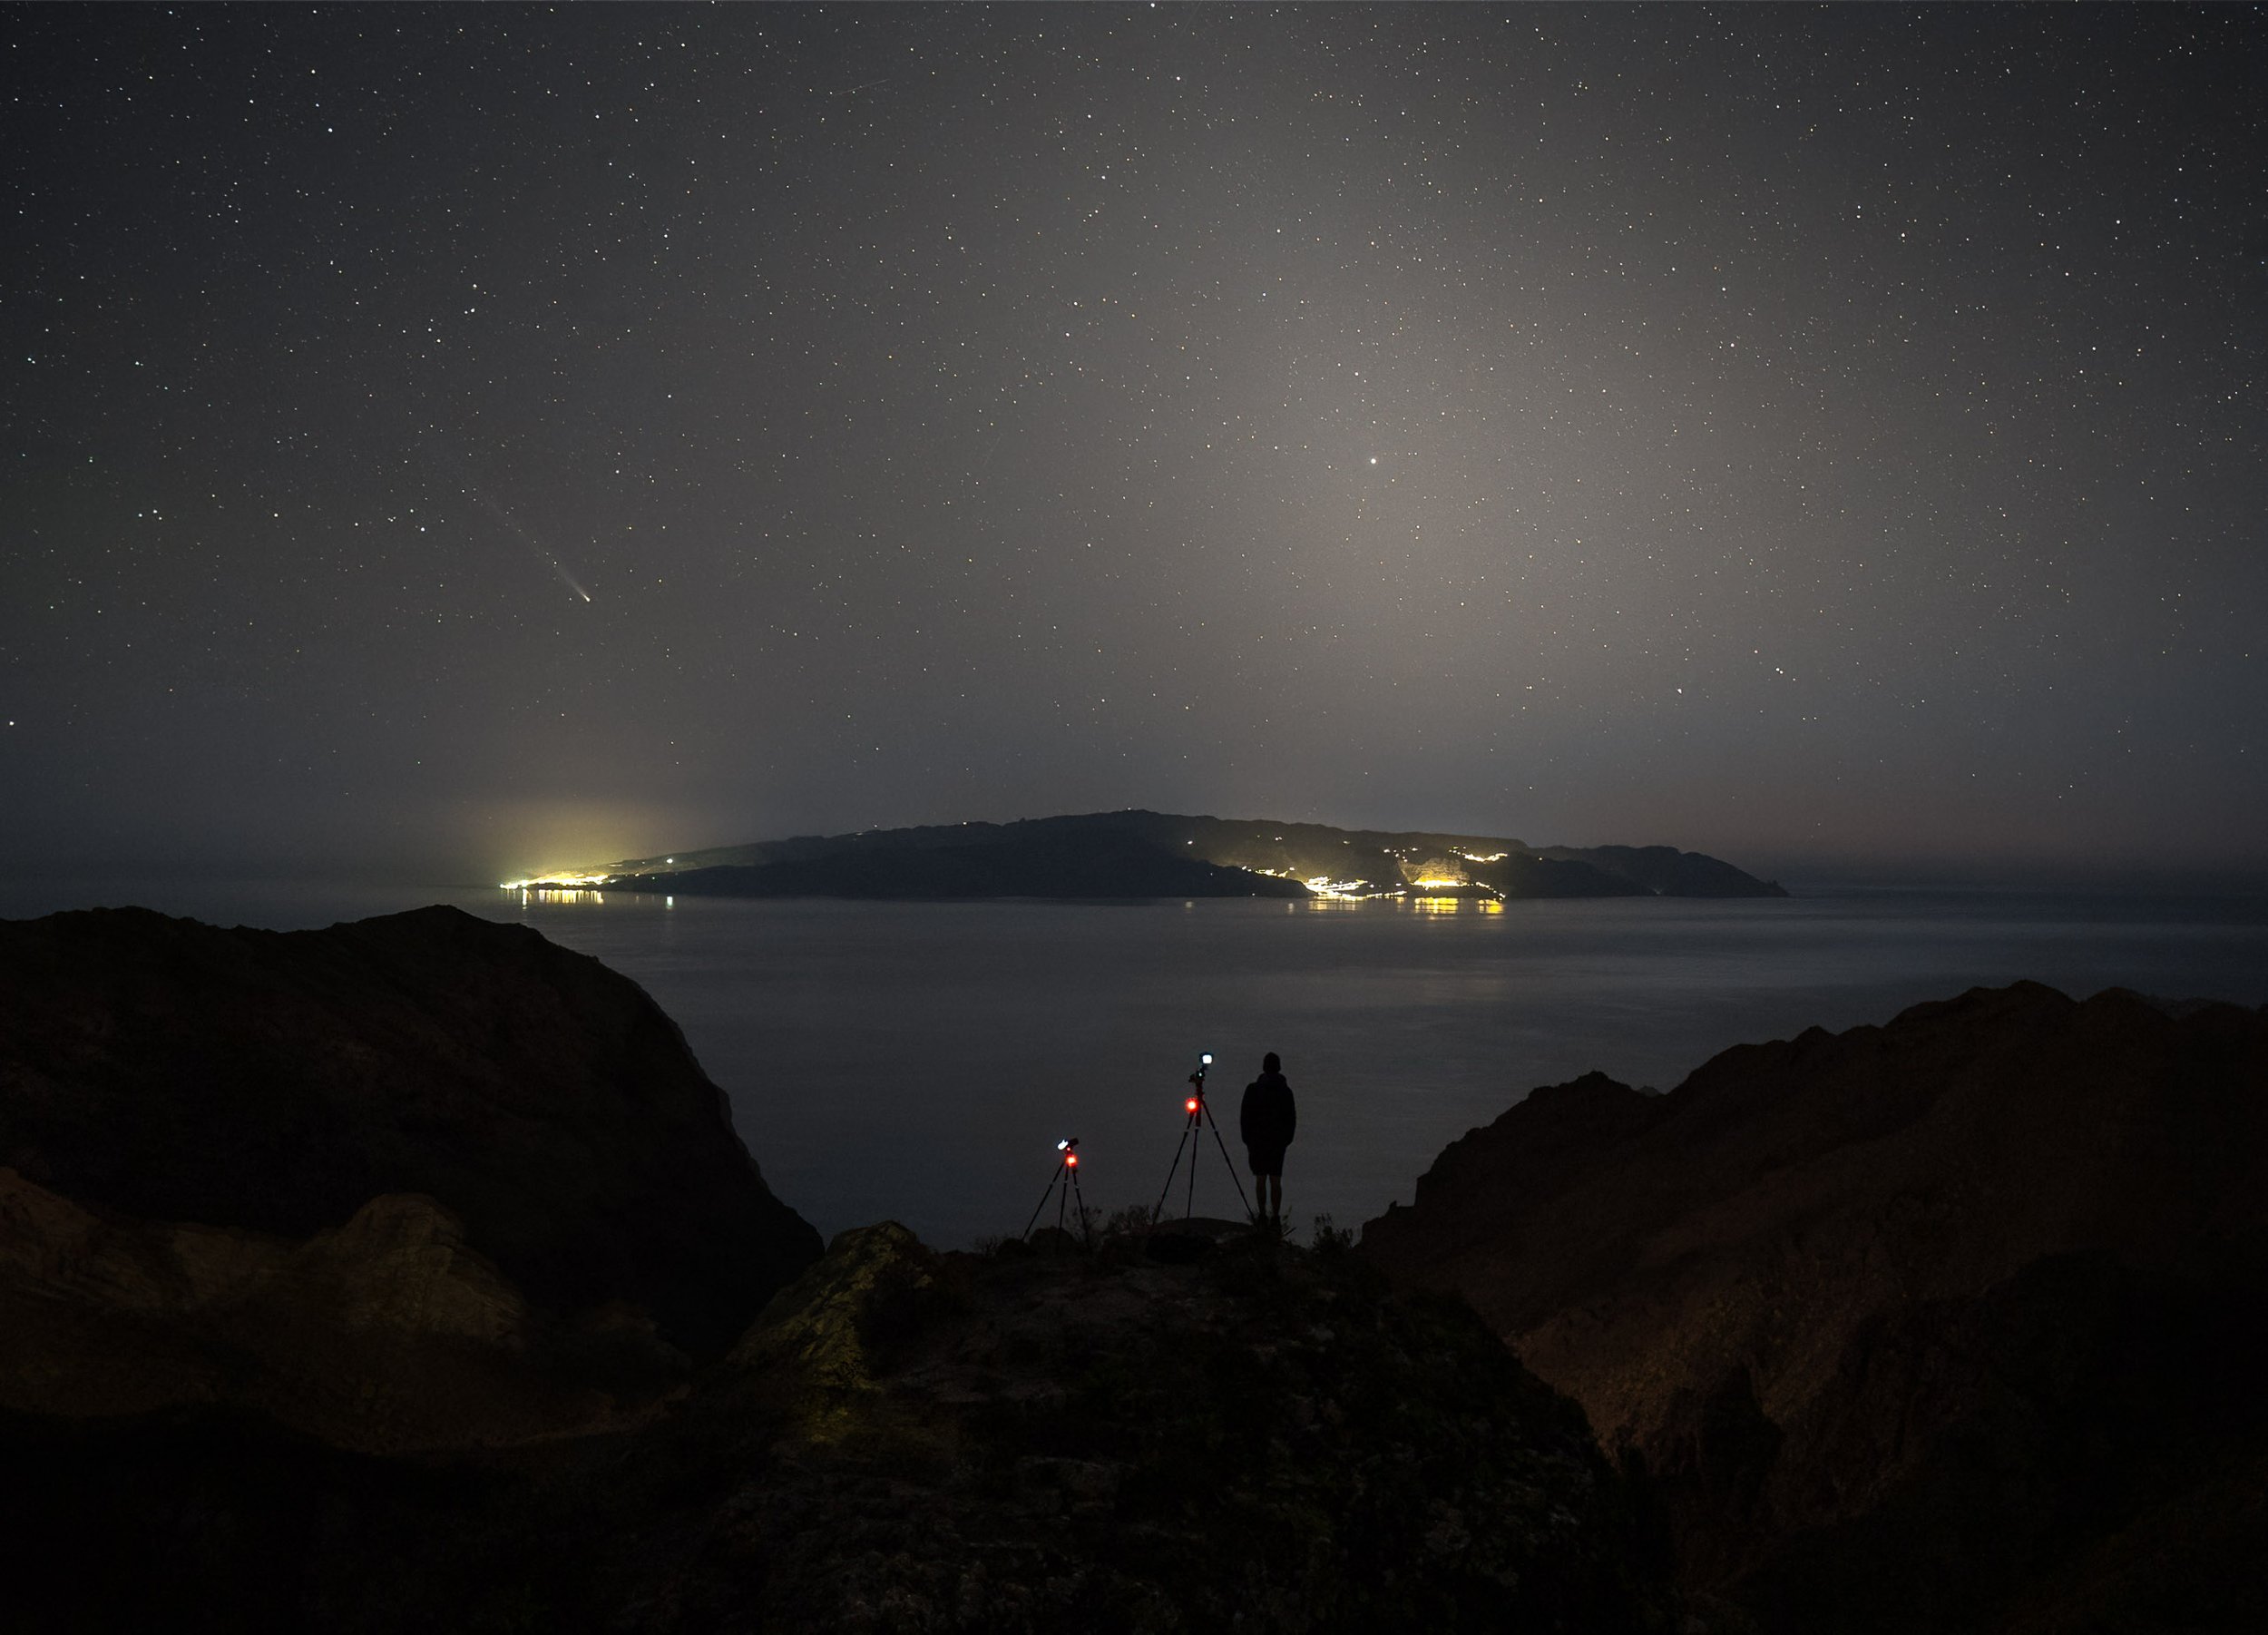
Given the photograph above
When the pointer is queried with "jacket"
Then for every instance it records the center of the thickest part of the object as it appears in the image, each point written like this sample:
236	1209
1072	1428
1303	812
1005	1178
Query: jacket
1267	1117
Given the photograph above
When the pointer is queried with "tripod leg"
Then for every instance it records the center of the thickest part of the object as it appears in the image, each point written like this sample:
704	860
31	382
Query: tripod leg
1086	1234
1062	1202
1043	1201
1232	1165
1170	1174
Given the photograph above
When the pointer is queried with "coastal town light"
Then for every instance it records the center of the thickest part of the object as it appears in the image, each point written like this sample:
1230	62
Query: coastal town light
556	882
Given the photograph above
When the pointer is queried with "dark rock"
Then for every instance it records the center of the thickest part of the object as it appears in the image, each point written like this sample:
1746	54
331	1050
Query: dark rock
839	1324
277	1082
1924	1326
388	1333
1176	1248
1267	1441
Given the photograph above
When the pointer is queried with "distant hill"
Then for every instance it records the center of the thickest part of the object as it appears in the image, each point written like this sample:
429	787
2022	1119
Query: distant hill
1143	854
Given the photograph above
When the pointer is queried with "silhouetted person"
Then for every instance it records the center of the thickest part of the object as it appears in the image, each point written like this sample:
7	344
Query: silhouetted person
1265	1121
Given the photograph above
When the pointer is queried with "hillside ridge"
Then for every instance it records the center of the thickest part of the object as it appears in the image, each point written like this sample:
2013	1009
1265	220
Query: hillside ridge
1138	853
1912	1325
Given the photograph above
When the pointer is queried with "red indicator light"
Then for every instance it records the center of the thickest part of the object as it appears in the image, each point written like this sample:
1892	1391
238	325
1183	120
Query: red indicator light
1192	1103
1072	1158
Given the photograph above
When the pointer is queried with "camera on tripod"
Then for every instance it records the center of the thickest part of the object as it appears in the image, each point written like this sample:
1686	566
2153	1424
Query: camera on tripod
1200	1118
1197	1082
1064	1186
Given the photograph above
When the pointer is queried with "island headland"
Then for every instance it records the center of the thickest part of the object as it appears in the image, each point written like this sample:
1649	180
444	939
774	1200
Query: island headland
1144	853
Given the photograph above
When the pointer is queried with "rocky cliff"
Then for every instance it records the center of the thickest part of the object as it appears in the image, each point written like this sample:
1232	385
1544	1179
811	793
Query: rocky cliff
1946	1323
274	1083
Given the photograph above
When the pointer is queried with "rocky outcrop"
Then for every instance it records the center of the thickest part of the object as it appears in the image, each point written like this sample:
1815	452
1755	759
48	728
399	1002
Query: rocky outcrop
387	1334
1924	1326
1262	1439
273	1084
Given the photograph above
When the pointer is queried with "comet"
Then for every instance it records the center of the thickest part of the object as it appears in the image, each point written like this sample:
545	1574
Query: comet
505	519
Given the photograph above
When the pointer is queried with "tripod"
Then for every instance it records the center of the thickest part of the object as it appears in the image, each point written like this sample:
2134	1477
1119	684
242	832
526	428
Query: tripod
1200	1113
1064	1184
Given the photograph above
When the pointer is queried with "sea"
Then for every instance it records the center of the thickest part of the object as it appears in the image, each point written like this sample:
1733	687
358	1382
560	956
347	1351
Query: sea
920	1062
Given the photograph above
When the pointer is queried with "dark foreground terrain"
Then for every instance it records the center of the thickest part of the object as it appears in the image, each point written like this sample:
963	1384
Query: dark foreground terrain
1954	1324
408	1277
1264	1439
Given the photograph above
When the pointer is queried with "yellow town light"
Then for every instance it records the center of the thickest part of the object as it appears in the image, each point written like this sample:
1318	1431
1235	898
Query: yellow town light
556	882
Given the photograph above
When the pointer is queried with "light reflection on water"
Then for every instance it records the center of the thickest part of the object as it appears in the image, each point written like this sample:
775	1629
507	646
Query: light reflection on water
920	1060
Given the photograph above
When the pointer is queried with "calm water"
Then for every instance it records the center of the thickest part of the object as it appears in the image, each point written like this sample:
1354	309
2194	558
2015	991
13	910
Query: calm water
919	1061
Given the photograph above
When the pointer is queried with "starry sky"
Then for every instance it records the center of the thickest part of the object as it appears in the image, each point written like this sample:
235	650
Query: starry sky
454	441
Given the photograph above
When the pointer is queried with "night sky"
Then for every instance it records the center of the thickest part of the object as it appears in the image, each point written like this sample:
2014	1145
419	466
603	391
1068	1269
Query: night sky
449	441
